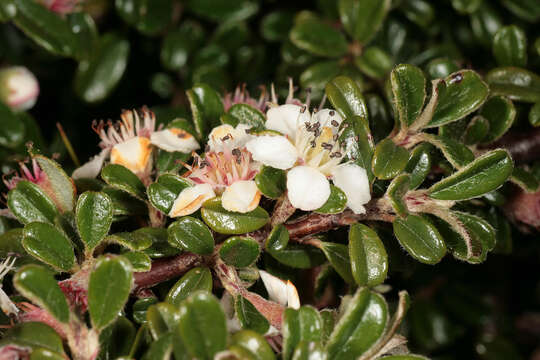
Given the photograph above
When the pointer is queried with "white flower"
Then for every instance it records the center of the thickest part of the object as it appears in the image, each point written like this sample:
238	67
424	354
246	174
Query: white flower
19	88
310	150
226	169
7	306
130	142
280	291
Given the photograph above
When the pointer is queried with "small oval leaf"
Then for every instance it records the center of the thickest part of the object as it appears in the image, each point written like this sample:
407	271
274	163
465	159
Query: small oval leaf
198	278
420	238
192	235
94	215
389	159
239	251
49	245
234	223
369	261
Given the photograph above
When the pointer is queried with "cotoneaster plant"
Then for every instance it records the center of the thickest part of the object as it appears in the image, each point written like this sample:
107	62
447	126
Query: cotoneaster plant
179	241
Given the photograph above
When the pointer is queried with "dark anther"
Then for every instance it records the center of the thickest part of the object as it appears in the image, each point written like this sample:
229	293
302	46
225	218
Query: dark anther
327	146
226	137
334	123
303	109
313	143
332	113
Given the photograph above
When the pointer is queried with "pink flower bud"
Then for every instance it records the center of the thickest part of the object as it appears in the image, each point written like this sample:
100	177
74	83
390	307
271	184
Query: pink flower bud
19	88
61	6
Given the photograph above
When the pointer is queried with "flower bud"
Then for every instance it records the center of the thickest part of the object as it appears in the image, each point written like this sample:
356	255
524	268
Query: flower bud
61	6
19	88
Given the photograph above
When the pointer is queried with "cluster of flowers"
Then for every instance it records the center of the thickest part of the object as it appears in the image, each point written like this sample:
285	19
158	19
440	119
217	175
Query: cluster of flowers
303	143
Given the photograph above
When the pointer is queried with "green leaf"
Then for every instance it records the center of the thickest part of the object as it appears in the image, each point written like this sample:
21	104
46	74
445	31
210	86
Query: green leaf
58	185
465	92
108	289
419	165
510	46
160	349
206	108
275	26
357	143
98	76
49	245
346	97
248	115
239	251
528	10
454	151
223	10
198	278
404	357
534	115
319	74
317	37
277	239
369	261
525	179
139	261
11	245
86	33
484	24
476	131
229	222
160	242
515	83
45	28
249	317
374	62
149	17
363	19
122	178
12	131
441	67
271	182
35	335
338	257
202	325
389	159
124	203
336	203
116	340
304	324
299	256
192	235
396	192
252	344
165	190
420	238
140	309
162	318
409	89
94	218
38	284
501	113
466	6
481	176
361	325
29	203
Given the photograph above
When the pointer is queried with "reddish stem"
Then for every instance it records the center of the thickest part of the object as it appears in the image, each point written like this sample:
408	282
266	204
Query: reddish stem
166	269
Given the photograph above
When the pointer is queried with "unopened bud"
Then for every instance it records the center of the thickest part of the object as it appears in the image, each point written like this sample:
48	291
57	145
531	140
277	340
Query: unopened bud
19	88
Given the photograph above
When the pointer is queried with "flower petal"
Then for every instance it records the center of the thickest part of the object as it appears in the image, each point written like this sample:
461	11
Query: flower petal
293	300
135	154
274	151
92	168
242	196
308	189
276	288
191	199
174	140
226	137
353	180
329	118
286	118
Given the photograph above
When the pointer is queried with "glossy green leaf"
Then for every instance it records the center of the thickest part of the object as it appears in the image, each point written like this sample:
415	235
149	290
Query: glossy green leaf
192	235
510	46
271	182
389	159
374	62
98	76
528	10
94	218
298	256
249	317
275	26
108	289
149	17
304	324
466	6
11	245
360	326
441	67
420	12
86	33
420	238
309	351
369	261
515	83
318	37
61	188
239	251
162	318
198	278
454	151
29	203
534	115
464	93
124	203
525	179
116	340
160	242
357	143
336	203
346	97
45	28
481	176
206	108
338	257
122	178
38	284
254	344
12	131
161	349
419	165
362	19
476	131
34	335
202	325
277	239
139	261
248	115
501	113
223	10
165	190
316	76
49	245
484	24
396	192
140	309
228	222
409	89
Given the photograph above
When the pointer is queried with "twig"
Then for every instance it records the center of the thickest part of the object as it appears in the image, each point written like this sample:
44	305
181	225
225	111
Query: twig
166	269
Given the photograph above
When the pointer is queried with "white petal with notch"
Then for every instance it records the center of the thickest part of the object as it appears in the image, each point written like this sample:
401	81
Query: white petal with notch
275	151
242	196
307	188
286	118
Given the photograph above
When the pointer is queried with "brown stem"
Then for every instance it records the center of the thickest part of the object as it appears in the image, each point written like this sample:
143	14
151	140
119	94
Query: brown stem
524	146
166	269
